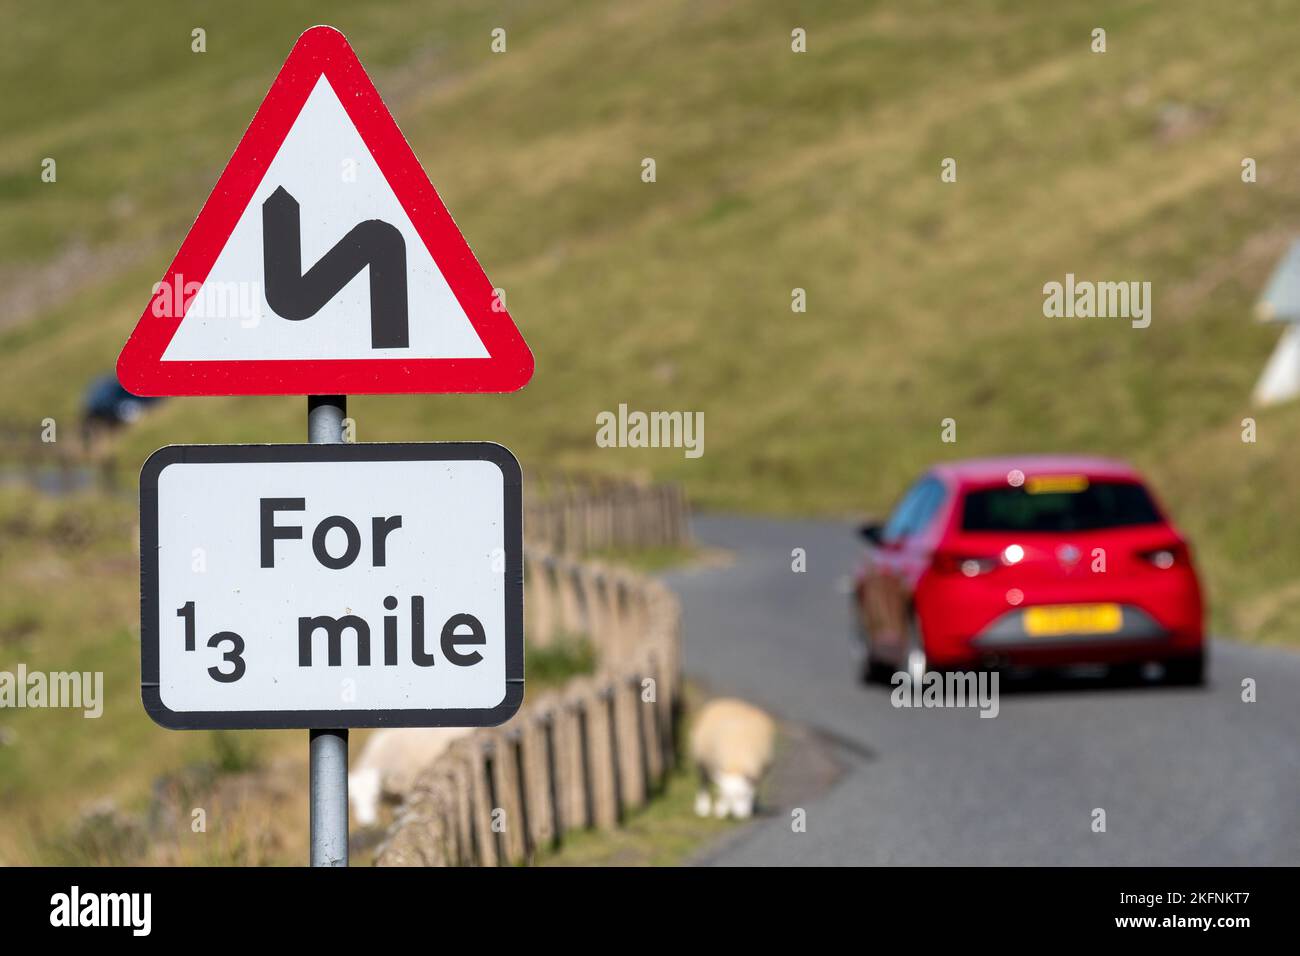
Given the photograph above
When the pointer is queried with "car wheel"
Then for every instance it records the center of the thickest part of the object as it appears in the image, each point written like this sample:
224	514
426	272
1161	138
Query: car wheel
874	671
915	663
1186	671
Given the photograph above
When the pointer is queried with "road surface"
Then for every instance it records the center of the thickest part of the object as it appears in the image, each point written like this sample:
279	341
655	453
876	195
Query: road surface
1185	776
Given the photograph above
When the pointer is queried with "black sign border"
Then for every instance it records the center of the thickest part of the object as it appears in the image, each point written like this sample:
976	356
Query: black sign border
150	692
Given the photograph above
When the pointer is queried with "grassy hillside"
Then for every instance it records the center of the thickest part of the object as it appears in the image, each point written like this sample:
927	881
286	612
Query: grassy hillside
775	170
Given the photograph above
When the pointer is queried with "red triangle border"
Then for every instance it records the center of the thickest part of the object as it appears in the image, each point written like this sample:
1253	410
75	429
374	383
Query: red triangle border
324	50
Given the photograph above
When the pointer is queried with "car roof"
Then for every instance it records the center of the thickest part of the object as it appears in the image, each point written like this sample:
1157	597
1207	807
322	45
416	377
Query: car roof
985	470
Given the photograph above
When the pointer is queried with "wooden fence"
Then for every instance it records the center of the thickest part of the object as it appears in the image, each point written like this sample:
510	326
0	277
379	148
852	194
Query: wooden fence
71	463
579	514
572	759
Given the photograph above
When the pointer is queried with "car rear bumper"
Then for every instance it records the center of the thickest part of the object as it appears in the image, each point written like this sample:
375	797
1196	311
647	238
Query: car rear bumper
1006	642
1009	631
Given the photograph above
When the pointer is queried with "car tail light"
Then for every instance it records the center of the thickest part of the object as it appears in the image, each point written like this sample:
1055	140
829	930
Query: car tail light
1174	555
971	566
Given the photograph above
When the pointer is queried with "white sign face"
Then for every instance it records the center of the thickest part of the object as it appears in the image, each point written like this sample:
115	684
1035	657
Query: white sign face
331	585
333	183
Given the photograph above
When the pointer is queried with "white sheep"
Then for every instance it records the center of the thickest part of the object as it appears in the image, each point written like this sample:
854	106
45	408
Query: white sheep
731	745
389	763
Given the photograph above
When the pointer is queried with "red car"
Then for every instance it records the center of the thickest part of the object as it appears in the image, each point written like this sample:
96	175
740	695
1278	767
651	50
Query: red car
1033	562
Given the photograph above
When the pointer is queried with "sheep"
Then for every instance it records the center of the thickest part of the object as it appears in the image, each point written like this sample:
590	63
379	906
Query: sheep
731	745
389	763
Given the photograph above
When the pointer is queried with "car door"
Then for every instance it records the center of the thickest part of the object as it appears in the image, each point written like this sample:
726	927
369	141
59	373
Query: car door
905	555
883	602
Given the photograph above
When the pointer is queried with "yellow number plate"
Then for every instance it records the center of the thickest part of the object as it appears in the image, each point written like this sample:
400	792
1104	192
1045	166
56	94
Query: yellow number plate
1056	484
1073	619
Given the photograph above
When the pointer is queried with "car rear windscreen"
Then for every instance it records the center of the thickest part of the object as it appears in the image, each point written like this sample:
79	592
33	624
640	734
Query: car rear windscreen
1096	505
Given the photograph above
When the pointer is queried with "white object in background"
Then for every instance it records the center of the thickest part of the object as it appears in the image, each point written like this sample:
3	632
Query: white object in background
1280	302
1280	381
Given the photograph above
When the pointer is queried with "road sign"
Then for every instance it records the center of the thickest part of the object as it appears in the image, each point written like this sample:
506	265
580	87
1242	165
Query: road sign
324	261
346	585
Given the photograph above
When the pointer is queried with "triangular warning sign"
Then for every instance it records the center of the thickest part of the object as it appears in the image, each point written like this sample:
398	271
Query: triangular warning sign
324	262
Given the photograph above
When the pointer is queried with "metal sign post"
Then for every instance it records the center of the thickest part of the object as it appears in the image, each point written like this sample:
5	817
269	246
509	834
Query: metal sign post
328	760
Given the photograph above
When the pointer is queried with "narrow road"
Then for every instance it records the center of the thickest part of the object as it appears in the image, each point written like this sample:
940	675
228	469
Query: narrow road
1185	776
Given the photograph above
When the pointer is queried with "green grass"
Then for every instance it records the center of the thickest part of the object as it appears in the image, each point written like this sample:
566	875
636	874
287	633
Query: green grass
649	560
775	170
664	832
71	601
567	656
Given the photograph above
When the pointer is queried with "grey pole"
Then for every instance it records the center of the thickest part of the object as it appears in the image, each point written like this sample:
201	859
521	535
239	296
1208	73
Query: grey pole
329	748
